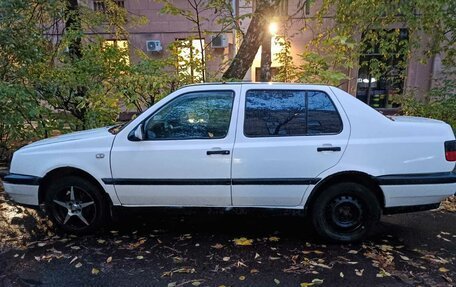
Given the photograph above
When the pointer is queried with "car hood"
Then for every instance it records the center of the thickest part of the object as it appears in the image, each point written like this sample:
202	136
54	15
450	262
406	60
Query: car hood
82	135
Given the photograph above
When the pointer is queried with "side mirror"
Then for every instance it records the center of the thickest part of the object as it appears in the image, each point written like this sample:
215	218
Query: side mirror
137	134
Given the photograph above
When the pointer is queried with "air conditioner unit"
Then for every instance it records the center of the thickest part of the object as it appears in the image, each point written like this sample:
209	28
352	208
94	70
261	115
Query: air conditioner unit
154	46
219	41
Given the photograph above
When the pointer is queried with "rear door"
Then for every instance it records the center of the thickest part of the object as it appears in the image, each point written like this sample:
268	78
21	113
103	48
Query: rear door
285	138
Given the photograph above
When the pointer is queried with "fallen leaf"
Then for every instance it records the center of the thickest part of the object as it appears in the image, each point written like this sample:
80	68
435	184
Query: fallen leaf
257	255
253	271
314	282
172	284
217	246
75	247
274	238
353	252
313	251
226	259
341	274
101	241
196	283
242	278
109	260
443	269
383	273
74	259
139	257
359	272
95	271
79	264
277	281
243	241
404	258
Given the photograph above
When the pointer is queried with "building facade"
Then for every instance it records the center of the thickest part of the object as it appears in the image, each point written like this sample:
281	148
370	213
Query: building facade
216	46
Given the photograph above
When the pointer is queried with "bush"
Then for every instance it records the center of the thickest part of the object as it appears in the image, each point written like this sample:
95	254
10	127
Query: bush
439	104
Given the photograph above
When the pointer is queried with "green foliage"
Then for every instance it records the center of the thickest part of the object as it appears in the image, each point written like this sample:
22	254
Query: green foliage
52	84
344	31
439	104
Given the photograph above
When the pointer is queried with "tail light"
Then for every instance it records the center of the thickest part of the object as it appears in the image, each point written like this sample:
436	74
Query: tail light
450	150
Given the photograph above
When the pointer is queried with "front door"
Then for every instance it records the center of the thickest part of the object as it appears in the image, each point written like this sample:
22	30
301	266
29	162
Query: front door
185	158
285	139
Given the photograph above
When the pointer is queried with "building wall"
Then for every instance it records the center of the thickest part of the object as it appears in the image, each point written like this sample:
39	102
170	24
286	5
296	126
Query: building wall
168	28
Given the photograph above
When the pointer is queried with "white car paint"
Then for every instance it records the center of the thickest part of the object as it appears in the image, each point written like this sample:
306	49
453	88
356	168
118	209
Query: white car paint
370	144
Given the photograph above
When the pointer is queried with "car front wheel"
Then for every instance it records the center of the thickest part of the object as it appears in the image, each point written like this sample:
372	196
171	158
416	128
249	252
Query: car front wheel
345	212
76	205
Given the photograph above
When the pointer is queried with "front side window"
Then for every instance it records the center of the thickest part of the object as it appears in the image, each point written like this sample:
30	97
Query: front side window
270	113
198	115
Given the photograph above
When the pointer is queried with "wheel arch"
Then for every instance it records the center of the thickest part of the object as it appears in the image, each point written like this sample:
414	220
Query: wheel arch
65	171
347	176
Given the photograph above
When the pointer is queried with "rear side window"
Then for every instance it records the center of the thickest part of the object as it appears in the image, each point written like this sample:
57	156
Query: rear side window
275	113
270	113
323	117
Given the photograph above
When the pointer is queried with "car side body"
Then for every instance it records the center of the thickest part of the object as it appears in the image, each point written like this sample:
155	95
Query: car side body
401	160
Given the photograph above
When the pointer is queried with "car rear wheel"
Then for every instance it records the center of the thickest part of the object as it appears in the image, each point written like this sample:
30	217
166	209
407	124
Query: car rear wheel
76	205
345	212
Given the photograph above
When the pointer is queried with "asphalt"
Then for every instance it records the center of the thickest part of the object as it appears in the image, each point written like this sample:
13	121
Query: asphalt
202	249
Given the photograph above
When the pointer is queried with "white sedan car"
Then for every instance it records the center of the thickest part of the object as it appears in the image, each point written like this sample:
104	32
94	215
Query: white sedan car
243	145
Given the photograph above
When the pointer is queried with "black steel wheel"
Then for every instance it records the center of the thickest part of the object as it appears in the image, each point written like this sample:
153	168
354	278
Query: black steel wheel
345	212
76	205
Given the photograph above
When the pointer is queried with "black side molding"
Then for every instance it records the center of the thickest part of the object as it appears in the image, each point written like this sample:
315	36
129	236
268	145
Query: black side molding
211	181
412	208
275	181
423	178
161	181
14	178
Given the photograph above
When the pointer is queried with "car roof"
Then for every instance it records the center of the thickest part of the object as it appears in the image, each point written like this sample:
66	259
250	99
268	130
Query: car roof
249	83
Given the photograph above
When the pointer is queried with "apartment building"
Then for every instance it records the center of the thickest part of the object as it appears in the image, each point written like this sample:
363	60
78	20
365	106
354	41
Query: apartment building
220	45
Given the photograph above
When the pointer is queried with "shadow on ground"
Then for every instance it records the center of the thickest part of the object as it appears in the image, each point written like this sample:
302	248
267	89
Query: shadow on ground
204	249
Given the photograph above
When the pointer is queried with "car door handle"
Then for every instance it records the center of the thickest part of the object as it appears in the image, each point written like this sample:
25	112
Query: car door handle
329	148
211	152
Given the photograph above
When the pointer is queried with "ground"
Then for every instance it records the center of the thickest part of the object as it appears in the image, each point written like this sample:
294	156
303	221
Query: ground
156	249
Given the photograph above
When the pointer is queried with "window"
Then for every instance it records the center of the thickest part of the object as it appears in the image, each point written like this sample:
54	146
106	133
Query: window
199	115
381	75
323	117
191	59
122	45
271	113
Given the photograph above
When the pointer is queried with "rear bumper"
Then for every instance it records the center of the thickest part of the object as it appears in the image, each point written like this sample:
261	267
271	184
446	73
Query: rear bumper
416	191
22	189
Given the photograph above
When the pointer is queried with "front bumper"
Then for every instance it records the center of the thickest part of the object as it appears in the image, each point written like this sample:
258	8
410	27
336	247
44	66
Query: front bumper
22	189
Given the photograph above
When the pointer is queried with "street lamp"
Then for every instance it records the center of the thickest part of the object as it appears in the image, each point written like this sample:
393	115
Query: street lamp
273	28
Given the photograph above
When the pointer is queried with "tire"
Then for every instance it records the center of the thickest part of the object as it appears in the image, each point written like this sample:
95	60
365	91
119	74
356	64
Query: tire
76	205
345	212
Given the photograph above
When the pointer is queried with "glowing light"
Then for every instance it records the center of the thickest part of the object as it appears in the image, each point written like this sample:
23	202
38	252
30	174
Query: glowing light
273	28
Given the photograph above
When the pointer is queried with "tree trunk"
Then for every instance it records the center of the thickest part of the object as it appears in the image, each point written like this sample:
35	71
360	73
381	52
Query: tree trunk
252	40
73	23
265	75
